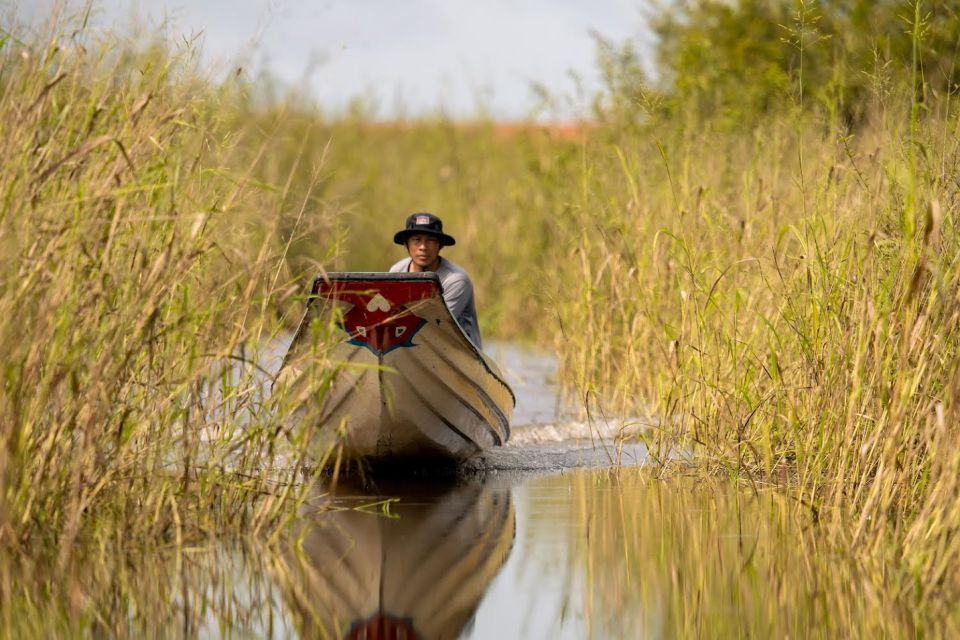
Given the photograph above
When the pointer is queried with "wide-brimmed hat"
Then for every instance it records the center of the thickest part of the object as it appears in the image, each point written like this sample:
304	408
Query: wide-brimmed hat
423	223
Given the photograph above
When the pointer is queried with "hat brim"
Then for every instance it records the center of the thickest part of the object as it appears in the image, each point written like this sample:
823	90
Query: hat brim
400	237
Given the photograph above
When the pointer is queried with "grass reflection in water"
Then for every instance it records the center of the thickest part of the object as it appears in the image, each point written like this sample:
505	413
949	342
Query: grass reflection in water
698	557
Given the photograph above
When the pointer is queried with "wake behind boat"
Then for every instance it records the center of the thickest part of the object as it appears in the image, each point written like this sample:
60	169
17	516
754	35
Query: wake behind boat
408	382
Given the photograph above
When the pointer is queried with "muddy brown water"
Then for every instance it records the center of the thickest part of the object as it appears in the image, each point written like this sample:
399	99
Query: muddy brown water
540	540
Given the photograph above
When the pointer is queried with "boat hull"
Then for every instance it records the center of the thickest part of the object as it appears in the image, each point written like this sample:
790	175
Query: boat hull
407	382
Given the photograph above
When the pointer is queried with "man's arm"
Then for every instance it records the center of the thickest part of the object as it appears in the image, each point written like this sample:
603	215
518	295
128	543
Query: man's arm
457	293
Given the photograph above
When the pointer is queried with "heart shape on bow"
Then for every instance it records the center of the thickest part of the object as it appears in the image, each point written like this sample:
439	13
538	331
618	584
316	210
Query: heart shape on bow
378	302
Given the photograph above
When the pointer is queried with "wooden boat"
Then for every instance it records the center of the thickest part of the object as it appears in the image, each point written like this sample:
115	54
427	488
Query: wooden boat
418	571
408	382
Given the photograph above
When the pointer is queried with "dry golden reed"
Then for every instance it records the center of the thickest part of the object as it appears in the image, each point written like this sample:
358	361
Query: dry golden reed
141	269
785	301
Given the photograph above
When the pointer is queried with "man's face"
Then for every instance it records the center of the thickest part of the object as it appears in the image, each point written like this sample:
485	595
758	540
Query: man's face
424	249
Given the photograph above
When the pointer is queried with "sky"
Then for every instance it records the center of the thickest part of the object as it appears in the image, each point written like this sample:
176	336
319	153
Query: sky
403	57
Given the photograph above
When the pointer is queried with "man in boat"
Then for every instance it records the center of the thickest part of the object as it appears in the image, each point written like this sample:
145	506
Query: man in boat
423	238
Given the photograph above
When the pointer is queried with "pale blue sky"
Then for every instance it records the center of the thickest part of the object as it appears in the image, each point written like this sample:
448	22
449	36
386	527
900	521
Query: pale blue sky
408	56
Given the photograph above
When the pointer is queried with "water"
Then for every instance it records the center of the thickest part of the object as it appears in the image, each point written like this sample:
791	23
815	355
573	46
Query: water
546	436
532	376
542	540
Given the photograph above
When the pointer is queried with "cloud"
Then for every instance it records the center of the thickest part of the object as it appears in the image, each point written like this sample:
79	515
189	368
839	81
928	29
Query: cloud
420	53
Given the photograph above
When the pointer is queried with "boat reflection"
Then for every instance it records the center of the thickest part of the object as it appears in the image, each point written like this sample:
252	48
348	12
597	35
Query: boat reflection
416	567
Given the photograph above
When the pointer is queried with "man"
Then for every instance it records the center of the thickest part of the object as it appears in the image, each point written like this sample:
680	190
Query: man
423	238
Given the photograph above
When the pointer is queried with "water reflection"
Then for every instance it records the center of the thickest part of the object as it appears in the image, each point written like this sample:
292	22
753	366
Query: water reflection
414	567
625	555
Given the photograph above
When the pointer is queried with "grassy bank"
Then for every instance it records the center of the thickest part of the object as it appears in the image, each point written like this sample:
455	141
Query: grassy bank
787	298
140	273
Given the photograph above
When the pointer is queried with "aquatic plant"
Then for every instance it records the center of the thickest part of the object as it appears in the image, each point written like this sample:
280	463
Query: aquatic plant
782	297
140	271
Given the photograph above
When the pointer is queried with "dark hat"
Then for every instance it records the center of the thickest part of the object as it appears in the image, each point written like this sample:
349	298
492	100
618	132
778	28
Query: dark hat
423	223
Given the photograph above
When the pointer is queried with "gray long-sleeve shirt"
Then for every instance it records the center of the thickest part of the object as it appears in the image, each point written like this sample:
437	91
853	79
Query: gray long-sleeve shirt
457	293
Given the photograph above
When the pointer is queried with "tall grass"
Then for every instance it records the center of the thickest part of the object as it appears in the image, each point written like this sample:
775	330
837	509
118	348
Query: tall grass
792	322
141	267
782	295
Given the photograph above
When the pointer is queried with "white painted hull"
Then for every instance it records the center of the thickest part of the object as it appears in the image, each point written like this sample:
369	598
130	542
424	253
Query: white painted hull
410	383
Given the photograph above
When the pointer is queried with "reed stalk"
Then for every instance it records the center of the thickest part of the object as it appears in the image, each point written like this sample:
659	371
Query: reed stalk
141	270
